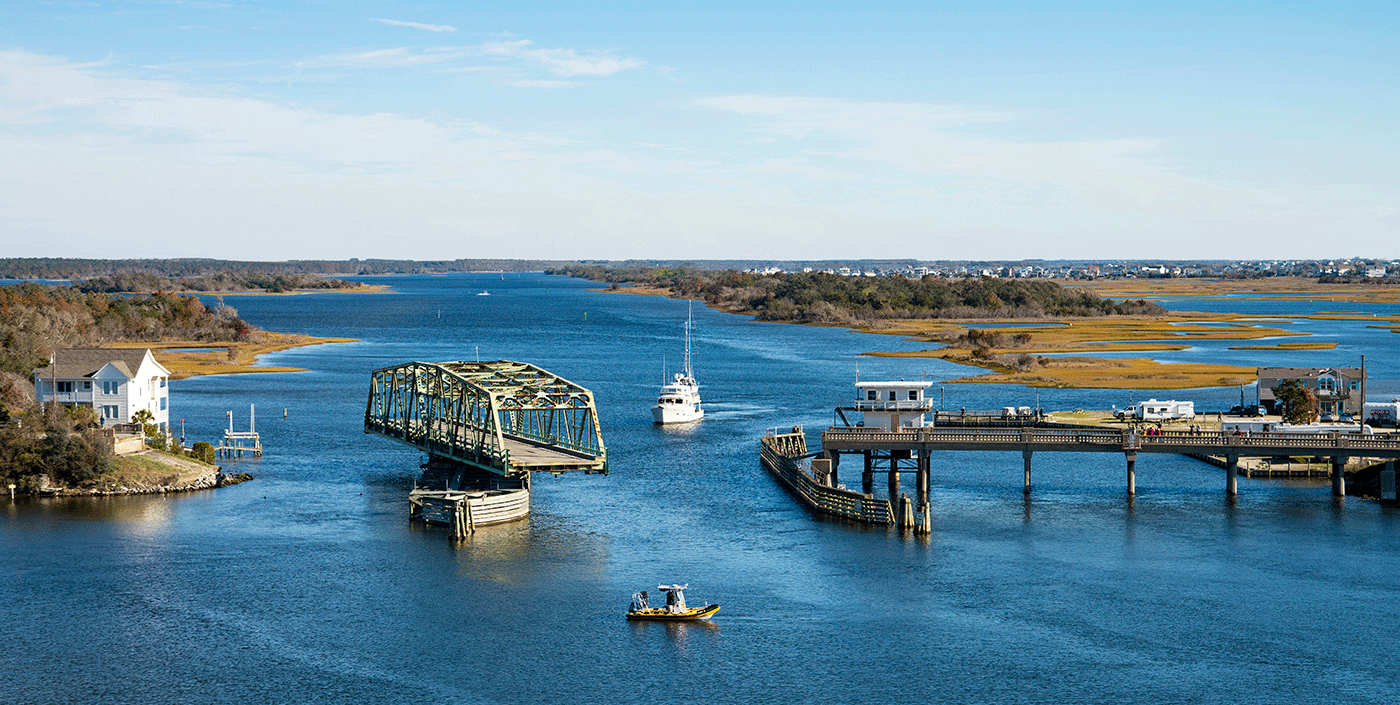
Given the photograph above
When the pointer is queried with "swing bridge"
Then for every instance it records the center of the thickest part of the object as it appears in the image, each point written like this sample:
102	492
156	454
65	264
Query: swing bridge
500	419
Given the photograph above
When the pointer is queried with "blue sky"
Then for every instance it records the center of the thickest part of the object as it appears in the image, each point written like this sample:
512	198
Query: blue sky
979	130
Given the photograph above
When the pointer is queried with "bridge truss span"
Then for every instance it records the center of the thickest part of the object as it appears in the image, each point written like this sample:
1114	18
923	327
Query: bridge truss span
502	416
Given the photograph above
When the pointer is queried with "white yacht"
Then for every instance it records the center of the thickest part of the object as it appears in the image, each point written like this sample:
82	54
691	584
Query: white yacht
680	400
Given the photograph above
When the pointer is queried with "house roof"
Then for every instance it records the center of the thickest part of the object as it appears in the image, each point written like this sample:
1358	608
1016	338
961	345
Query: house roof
1308	372
71	363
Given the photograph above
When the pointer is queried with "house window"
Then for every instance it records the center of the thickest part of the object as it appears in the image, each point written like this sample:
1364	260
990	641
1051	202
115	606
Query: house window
892	396
913	395
87	386
1354	384
111	388
1325	383
162	382
109	412
65	387
162	403
871	395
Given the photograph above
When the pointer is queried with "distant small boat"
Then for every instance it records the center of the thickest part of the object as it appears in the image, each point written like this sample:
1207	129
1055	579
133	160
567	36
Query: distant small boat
484	293
674	611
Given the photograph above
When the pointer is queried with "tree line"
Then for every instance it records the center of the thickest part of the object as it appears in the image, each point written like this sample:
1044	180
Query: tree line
818	297
144	282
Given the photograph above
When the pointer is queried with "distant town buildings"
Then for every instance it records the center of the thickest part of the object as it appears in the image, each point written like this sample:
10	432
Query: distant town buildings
1069	269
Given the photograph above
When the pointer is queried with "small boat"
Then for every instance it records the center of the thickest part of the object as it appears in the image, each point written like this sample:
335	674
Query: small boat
675	609
484	293
679	401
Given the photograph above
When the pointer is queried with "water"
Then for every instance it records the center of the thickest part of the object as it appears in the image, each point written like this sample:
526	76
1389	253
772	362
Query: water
308	584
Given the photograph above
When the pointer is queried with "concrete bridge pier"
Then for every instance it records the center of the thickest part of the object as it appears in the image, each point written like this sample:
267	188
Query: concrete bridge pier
1232	475
894	477
1388	495
1132	472
835	459
1026	472
1339	477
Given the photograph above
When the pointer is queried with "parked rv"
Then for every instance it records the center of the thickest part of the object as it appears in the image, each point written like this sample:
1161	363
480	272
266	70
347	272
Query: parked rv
1154	410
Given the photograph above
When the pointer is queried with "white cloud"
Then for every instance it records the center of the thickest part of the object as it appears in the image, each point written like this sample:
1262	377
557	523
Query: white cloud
416	25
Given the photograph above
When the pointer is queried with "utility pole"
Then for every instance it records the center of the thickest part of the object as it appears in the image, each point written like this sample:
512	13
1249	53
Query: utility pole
1363	390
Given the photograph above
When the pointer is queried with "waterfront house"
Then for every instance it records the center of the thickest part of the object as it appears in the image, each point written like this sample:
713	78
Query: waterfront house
114	382
1338	389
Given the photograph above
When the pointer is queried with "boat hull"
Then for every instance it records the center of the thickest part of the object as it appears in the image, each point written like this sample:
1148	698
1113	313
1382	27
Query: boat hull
665	414
657	614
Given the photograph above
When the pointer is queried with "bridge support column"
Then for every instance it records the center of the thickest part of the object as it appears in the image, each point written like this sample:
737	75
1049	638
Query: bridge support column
1232	475
894	477
835	459
1026	462
923	478
1132	473
1339	477
1388	494
867	477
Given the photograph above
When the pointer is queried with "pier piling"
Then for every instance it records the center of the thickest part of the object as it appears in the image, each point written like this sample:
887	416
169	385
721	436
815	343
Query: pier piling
1339	477
1232	474
1132	473
867	477
1388	495
1026	458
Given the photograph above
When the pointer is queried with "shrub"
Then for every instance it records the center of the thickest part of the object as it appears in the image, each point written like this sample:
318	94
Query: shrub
203	451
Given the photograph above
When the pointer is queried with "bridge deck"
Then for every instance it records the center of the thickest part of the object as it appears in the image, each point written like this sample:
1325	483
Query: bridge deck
534	456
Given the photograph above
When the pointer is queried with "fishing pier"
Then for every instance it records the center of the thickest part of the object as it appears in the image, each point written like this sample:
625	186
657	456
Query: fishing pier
895	438
486	426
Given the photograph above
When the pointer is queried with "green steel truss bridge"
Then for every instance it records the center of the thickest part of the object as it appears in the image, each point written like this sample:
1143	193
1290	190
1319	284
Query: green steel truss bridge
503	417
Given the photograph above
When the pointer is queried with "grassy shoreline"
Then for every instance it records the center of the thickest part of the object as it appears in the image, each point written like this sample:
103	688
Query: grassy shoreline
1061	351
220	358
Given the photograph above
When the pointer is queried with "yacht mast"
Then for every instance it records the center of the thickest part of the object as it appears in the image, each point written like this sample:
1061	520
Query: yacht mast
689	317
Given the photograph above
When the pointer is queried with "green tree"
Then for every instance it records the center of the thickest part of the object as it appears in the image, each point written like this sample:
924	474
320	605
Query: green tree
1296	403
204	451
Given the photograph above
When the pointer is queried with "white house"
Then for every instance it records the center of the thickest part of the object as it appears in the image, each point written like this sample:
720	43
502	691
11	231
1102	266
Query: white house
115	383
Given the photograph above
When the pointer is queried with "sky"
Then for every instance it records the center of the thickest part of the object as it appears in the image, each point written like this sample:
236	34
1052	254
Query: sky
320	129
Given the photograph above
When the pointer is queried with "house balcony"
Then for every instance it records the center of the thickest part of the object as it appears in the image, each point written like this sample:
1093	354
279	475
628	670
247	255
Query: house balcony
70	398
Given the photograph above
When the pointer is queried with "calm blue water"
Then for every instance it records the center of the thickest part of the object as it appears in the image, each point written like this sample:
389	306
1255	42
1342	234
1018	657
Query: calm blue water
308	584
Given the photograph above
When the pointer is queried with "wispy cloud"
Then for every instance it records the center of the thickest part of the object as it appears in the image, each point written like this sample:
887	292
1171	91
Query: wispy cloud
416	25
550	85
562	62
394	57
